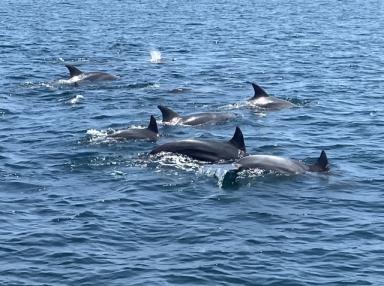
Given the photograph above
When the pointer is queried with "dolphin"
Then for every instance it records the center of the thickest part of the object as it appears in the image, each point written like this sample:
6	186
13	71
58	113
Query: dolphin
207	150
77	76
276	164
171	116
263	100
150	133
180	90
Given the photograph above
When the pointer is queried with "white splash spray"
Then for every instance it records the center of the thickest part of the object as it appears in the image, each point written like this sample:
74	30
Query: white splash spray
156	57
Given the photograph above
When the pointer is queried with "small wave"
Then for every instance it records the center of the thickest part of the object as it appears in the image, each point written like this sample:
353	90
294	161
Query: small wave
139	85
34	85
4	111
144	85
244	104
237	105
180	90
75	100
21	186
81	162
73	61
118	174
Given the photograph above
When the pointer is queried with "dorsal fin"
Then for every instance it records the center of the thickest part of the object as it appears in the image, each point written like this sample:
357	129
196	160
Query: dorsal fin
238	139
321	163
73	71
259	92
153	125
168	114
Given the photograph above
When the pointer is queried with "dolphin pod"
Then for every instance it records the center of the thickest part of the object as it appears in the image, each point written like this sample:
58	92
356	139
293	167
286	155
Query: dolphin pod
150	133
212	151
77	76
207	150
170	116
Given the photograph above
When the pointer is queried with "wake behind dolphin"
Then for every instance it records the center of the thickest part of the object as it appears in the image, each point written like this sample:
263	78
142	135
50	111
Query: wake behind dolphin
206	150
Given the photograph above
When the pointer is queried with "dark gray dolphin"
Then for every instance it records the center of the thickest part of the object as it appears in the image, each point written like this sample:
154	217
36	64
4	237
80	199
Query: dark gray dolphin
171	116
149	133
263	100
207	150
276	164
77	76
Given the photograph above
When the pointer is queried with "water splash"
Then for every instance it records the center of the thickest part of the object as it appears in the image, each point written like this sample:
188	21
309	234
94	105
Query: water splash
185	163
156	57
165	160
75	100
96	136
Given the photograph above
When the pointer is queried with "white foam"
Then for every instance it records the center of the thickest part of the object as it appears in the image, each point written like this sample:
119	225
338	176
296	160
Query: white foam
96	136
185	163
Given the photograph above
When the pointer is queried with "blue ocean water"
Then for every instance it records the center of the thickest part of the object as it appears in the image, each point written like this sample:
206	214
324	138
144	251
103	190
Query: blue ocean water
77	209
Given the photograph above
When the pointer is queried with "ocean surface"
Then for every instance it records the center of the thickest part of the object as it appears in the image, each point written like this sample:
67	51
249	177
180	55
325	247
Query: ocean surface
79	209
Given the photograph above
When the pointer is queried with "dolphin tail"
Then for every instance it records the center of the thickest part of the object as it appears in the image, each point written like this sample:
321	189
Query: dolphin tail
168	114
153	125
321	164
259	92
73	71
238	140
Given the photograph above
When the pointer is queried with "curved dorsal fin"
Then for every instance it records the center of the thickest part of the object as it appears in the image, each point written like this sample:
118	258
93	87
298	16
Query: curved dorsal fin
153	125
168	114
322	161
238	139
73	71
259	92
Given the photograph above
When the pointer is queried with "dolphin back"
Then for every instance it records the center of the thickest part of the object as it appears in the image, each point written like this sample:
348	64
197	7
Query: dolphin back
207	118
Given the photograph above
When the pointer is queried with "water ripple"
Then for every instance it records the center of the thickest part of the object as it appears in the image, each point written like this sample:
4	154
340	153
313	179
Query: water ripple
81	210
